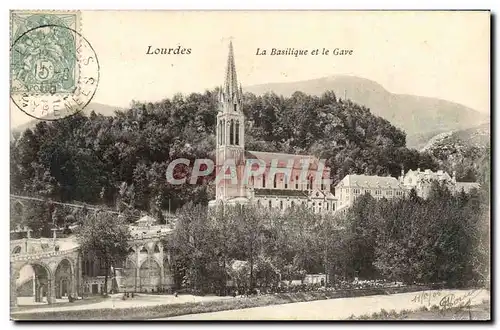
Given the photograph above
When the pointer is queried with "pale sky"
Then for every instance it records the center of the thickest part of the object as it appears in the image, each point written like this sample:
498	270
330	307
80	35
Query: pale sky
435	54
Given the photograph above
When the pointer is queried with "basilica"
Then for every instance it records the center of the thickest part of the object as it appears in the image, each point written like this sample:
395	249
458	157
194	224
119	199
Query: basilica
286	181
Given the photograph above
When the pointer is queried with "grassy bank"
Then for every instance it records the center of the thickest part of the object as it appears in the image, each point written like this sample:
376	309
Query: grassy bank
161	311
479	312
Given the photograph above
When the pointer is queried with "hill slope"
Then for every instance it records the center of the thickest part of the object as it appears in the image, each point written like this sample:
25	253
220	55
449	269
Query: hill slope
420	117
99	108
478	137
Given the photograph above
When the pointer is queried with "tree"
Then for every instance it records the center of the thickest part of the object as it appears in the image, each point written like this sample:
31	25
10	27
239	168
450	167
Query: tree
106	236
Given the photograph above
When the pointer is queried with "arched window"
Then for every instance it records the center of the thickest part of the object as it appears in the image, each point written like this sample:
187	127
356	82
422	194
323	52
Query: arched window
293	204
275	181
144	250
263	180
157	249
281	205
219	131
237	131
285	181
231	133
297	182
223	132
270	204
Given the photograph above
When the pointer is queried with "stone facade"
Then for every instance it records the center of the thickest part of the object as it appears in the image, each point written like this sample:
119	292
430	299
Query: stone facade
422	181
55	267
353	186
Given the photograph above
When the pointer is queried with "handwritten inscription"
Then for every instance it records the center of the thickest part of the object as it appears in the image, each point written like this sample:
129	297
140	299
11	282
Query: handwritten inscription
446	300
459	301
425	298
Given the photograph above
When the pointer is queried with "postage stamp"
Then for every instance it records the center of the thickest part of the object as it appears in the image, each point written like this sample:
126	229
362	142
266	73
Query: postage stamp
54	69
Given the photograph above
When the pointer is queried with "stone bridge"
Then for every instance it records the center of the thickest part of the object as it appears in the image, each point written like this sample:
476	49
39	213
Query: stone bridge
55	265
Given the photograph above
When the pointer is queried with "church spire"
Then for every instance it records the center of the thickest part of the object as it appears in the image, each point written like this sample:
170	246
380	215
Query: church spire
231	91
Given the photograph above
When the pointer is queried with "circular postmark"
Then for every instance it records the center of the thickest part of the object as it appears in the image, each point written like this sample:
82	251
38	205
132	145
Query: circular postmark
54	72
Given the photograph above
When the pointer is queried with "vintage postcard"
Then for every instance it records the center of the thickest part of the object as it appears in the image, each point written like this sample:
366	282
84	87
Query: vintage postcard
250	165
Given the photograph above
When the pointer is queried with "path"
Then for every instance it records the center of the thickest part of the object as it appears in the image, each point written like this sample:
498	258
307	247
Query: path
115	301
337	309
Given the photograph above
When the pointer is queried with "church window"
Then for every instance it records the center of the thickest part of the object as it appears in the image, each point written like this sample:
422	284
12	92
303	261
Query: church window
231	133
263	180
237	131
297	182
220	132
235	107
223	131
275	181
389	192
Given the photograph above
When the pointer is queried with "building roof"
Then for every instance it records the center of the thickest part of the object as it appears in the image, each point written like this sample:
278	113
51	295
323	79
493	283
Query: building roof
370	181
146	220
280	192
284	160
466	186
429	175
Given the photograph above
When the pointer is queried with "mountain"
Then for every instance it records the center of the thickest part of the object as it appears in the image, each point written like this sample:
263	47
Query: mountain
420	117
478	137
106	110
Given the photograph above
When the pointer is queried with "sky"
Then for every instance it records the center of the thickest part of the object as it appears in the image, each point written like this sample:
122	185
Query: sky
436	54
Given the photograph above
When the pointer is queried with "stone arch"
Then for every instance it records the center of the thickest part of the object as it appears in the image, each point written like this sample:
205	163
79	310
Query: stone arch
64	277
17	249
130	274
149	275
39	284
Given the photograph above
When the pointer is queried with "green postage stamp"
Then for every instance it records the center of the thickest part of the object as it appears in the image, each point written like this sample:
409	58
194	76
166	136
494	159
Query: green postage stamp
53	69
44	51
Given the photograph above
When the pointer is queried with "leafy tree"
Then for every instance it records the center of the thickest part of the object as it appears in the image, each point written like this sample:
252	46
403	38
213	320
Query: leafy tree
106	236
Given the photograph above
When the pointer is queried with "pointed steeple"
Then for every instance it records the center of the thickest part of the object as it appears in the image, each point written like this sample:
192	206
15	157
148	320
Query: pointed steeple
230	90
